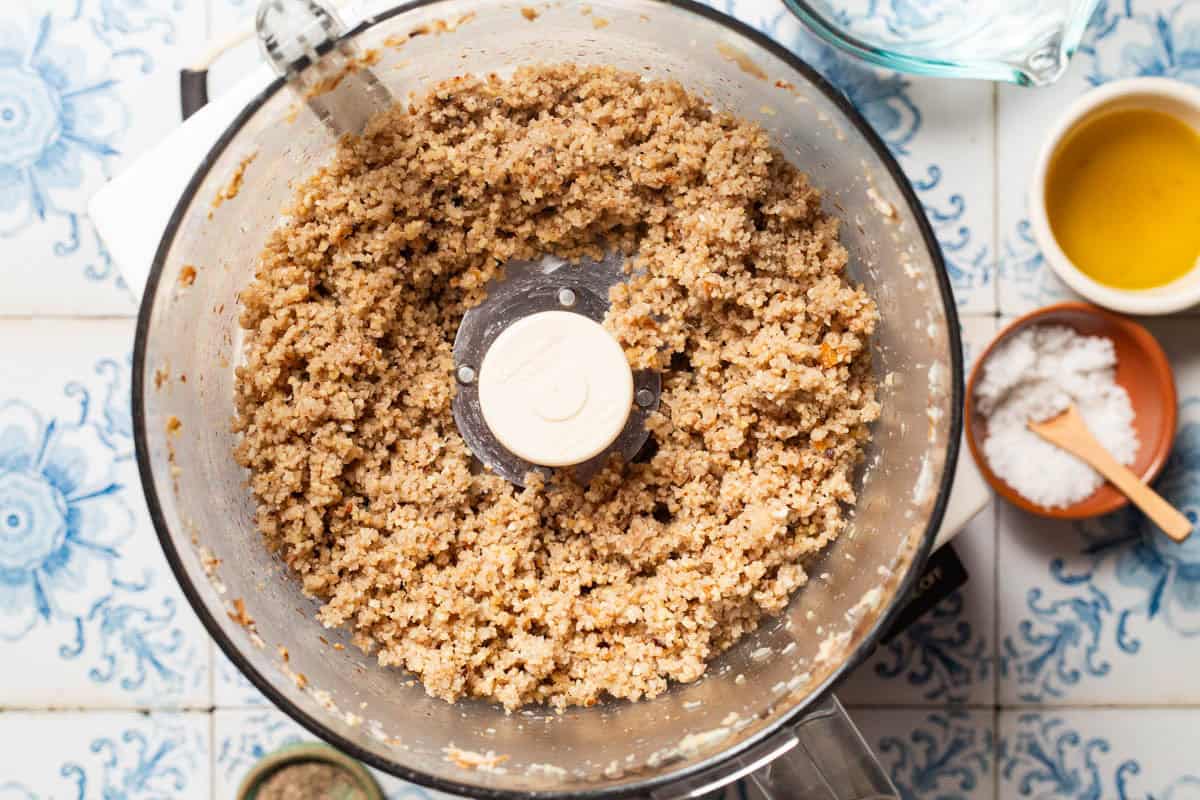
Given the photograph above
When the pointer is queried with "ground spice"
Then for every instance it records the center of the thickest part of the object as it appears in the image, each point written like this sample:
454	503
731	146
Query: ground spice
310	781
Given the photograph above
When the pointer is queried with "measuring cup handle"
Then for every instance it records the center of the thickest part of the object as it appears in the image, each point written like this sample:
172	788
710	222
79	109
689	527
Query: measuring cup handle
822	757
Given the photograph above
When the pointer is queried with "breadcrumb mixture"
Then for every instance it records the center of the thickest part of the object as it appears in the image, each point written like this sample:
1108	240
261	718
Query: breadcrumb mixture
558	593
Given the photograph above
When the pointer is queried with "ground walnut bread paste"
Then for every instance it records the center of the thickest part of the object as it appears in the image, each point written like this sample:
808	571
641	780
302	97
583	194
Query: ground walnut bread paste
557	593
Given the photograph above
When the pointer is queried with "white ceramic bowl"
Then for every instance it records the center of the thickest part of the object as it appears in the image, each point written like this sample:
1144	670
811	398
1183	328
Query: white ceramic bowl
1179	99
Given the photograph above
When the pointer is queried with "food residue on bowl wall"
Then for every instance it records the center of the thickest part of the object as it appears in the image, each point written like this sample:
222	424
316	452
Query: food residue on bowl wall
435	27
469	759
231	189
744	62
239	614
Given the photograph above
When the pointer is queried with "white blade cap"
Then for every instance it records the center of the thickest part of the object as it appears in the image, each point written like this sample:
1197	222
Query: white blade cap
555	388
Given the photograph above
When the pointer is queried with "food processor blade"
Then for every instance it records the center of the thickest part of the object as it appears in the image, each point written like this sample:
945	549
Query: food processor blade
305	42
529	288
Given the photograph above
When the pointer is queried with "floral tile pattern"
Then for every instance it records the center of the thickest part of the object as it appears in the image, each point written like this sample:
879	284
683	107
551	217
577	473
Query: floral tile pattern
947	754
89	613
72	73
1126	39
1054	615
105	755
1098	754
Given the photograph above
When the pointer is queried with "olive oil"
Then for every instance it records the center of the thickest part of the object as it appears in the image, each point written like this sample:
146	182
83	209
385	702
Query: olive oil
1123	198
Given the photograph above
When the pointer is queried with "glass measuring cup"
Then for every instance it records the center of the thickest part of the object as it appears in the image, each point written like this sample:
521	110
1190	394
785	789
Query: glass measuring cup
1027	42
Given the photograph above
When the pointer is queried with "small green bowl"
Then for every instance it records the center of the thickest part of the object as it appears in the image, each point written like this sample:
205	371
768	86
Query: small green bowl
307	753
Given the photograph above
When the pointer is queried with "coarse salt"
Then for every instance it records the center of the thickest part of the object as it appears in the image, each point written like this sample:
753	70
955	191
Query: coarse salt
1035	375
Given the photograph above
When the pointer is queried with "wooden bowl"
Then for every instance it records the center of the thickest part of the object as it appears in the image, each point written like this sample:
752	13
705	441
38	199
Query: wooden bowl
1143	371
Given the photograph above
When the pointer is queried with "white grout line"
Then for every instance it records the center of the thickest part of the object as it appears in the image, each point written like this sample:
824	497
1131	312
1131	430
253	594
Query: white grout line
994	759
996	243
20	709
996	501
212	756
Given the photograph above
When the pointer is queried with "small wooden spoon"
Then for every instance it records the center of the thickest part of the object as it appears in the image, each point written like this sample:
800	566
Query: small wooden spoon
1069	432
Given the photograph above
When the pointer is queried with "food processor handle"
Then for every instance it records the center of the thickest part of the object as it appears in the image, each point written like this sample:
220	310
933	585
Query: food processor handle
290	34
821	757
193	90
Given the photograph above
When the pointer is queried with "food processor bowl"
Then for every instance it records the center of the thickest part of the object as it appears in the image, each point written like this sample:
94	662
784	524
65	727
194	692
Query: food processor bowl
766	696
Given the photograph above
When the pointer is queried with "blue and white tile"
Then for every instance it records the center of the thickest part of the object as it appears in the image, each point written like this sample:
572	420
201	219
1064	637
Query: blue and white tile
1098	753
950	165
940	131
948	655
948	754
242	737
1107	611
232	689
105	756
85	86
1126	39
90	614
